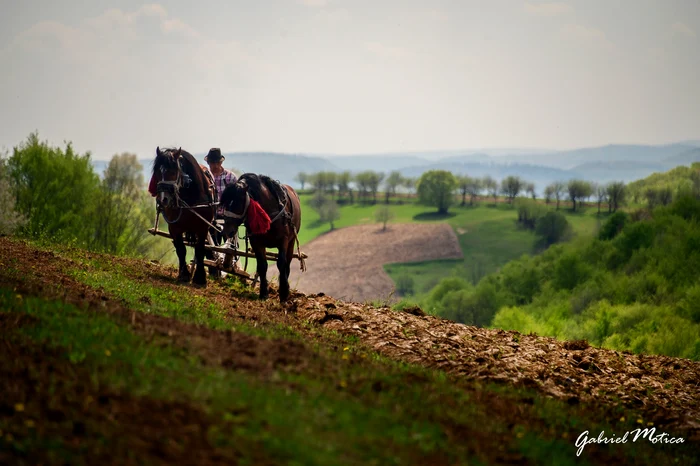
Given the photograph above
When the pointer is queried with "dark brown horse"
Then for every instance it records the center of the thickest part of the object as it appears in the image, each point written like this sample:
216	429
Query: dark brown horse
271	214
183	194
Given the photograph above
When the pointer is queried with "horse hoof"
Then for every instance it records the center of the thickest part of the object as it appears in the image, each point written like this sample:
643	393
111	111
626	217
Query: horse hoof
183	279
200	279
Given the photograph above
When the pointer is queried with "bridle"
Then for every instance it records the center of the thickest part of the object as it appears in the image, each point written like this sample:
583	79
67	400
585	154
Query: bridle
241	216
173	187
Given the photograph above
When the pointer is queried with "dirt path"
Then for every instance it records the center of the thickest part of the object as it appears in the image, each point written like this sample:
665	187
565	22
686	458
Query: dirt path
664	389
353	271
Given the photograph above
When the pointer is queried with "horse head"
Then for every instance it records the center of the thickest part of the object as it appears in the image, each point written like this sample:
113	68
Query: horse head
168	175
177	176
236	201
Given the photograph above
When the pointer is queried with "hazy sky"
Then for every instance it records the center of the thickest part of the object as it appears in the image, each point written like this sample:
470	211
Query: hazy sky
348	76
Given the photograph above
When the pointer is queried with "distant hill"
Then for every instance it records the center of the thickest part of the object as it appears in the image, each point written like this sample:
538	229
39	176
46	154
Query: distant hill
601	164
569	159
685	158
604	172
358	163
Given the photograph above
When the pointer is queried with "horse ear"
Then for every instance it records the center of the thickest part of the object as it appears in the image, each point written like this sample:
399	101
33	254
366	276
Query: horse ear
158	150
178	153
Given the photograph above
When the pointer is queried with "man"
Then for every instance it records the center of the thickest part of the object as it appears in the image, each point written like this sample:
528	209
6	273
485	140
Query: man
222	177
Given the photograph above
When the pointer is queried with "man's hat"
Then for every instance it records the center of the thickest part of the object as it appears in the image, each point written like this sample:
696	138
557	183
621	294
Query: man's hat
214	155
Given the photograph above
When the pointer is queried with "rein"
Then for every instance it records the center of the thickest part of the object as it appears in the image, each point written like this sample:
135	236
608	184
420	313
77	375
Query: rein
244	215
181	204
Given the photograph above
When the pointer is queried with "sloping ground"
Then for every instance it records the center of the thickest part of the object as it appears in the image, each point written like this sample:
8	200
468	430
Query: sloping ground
664	391
665	388
347	263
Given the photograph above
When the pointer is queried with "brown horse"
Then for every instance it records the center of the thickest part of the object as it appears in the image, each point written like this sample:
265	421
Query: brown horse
183	194
271	214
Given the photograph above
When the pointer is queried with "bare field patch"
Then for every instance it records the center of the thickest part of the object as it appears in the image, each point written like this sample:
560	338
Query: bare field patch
347	263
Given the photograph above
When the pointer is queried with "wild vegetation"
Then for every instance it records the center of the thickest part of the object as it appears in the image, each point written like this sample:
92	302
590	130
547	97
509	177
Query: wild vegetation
54	193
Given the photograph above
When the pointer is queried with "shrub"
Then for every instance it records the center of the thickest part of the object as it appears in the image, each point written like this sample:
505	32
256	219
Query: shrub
552	228
613	226
405	284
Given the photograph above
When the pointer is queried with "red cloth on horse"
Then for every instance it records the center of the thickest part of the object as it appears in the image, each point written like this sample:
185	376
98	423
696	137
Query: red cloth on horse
258	220
152	186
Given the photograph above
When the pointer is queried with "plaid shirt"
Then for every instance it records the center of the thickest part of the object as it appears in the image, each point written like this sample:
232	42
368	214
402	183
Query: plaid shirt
226	177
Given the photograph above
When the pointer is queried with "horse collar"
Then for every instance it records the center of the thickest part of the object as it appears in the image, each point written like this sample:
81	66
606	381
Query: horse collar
228	213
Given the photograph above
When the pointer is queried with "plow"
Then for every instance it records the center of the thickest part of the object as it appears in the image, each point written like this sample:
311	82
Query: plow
227	257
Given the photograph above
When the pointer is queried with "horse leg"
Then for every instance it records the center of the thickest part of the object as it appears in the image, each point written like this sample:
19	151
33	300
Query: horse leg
200	276
290	256
284	276
181	250
262	271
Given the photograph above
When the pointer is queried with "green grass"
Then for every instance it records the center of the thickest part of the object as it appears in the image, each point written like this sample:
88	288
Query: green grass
489	238
336	416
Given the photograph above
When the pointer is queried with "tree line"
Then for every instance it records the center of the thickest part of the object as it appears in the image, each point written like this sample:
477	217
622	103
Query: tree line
440	187
54	194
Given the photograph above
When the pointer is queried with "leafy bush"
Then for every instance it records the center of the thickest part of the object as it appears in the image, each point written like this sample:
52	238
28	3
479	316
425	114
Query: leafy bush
54	189
552	228
405	284
613	226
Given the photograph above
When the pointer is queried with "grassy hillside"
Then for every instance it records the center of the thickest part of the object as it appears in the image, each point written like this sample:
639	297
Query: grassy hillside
107	360
634	287
489	237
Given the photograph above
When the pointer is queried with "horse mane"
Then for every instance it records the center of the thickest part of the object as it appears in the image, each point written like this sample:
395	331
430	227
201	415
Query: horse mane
255	183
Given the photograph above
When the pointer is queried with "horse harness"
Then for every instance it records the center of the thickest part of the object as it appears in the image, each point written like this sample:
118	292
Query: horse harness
173	187
242	216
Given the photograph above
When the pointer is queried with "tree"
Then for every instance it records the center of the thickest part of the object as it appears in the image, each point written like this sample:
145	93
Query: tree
548	194
327	209
374	180
120	223
652	197
616	195
383	215
665	195
557	189
329	212
552	228
365	181
302	178
511	187
491	186
463	185
343	182
530	189
578	190
409	184
55	189
474	188
392	182
601	193
436	188
10	219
